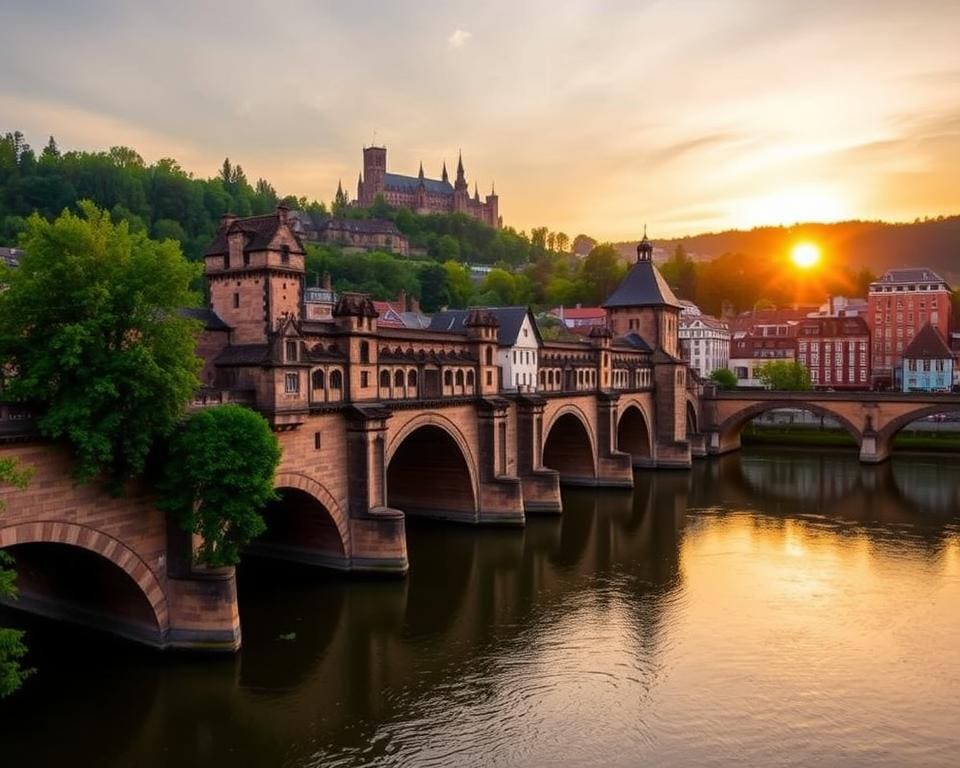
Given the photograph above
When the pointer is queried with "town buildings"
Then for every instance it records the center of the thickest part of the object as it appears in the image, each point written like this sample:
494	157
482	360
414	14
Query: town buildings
928	362
421	194
704	340
900	303
519	343
580	319
748	353
836	351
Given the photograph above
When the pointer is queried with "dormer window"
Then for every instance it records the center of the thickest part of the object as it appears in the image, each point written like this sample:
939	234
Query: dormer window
226	261
284	254
246	259
292	351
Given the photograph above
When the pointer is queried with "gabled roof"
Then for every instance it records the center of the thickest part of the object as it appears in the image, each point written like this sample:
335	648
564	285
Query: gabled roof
410	184
928	344
579	313
909	275
510	319
258	231
210	319
643	286
634	341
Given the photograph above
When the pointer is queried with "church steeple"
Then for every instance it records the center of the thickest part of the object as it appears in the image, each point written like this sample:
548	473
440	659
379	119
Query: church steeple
476	192
420	175
461	183
443	175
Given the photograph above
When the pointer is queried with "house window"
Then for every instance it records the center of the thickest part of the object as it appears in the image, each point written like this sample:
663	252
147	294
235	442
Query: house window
246	259
226	261
236	300
385	379
412	379
336	380
291	383
459	378
318	379
398	379
364	379
447	379
291	351
284	254
364	352
316	441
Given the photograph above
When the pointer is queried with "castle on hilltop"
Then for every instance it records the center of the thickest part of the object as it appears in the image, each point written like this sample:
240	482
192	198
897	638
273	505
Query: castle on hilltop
423	195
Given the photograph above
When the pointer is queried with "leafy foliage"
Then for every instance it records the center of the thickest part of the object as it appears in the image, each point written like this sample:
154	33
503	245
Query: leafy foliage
724	378
12	648
784	375
219	474
90	323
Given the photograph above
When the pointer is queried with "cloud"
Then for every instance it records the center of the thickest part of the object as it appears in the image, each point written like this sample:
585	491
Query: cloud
458	38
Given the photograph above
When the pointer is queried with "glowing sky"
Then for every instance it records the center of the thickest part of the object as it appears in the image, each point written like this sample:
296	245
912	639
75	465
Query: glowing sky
590	116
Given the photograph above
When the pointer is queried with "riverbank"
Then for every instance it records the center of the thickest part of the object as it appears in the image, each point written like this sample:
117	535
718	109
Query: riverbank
839	438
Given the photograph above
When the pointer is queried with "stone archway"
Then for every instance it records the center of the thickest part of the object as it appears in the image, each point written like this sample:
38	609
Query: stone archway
570	449
634	436
429	473
727	436
57	557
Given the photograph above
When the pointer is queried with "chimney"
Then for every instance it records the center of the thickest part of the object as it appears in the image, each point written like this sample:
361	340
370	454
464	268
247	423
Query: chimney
415	304
227	219
327	282
402	300
282	212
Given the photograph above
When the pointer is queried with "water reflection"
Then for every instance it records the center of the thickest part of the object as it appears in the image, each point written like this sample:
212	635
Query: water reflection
767	608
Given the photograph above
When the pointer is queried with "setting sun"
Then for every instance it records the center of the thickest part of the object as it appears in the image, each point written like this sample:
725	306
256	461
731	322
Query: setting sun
805	255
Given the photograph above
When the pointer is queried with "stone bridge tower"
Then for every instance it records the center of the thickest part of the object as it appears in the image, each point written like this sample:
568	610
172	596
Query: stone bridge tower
645	312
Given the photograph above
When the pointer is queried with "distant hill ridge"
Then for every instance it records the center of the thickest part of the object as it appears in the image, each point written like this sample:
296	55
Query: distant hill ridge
877	245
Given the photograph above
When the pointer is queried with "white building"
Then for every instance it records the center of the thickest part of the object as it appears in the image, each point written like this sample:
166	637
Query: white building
704	340
519	352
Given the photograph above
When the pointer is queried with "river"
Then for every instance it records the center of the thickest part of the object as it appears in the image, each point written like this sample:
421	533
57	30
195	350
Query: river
770	608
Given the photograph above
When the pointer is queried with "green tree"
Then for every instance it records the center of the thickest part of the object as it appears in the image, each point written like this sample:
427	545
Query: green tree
784	375
12	648
459	283
562	241
340	202
600	273
724	378
90	323
217	477
434	286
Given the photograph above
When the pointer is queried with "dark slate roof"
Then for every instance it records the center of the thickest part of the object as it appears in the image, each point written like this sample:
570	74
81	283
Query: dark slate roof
510	319
361	226
10	256
928	344
643	286
410	184
259	231
634	341
910	275
210	319
244	354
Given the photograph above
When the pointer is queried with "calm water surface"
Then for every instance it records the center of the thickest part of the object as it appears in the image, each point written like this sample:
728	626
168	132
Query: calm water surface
766	609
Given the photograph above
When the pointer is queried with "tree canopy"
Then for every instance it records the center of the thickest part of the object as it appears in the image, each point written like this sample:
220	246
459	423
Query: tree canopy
90	325
12	648
724	378
218	476
784	375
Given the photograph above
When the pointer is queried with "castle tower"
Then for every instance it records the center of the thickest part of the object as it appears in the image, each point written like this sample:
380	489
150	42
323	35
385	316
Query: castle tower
461	192
254	270
374	173
492	208
444	177
421	192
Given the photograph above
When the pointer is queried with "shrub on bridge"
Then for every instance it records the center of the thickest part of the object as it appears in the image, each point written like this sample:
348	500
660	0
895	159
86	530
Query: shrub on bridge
724	378
218	476
12	649
785	376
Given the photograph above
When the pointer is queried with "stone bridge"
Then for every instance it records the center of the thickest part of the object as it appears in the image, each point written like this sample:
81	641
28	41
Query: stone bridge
872	418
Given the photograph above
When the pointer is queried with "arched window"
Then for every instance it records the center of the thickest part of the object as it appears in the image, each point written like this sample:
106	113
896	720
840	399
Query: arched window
336	380
489	355
469	378
364	352
385	379
398	378
318	379
412	379
447	379
459	378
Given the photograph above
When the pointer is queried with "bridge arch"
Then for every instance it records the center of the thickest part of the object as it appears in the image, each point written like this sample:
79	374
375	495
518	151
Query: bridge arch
729	429
693	417
634	435
306	524
431	471
570	447
889	430
80	538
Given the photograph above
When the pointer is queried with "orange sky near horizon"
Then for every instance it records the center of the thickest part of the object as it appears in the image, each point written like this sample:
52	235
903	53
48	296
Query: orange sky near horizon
689	116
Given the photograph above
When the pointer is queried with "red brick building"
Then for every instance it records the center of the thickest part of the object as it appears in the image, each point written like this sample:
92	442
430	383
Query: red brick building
421	194
836	351
899	304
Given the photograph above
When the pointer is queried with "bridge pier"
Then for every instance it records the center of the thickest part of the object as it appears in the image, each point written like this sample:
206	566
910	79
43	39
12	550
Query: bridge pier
540	486
873	450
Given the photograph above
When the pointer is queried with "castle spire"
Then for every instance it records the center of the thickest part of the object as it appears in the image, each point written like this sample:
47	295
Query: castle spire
459	163
444	175
420	175
476	192
644	247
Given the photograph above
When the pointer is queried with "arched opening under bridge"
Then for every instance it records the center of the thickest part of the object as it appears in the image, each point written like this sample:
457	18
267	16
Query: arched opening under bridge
569	450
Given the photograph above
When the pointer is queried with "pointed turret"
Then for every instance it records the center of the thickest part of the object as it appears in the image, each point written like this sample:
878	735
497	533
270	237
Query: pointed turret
461	176
644	248
420	175
443	175
476	193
